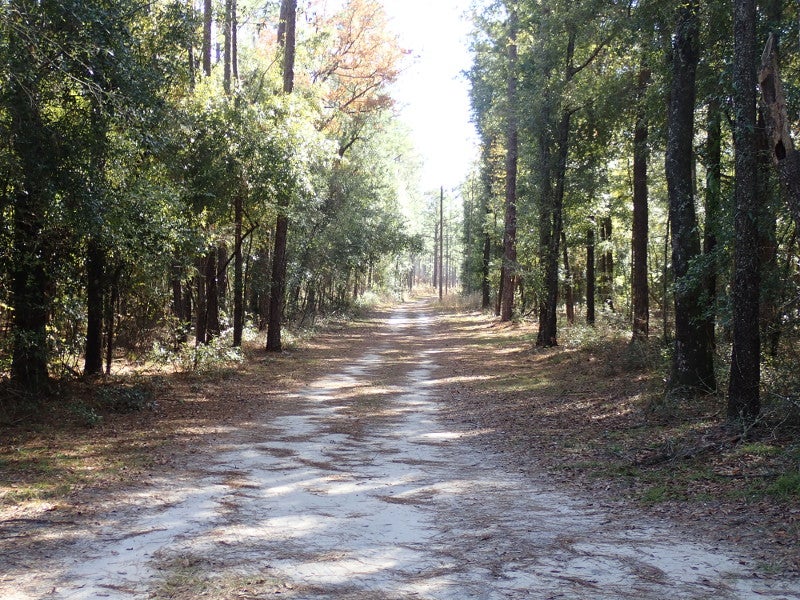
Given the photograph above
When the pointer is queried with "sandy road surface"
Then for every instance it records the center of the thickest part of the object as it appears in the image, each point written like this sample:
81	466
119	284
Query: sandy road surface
363	493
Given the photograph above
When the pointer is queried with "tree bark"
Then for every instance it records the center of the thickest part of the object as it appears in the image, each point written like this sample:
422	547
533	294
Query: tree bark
227	42
569	293
238	272
201	322
30	280
640	292
512	154
442	272
208	17
713	197
590	275
548	326
693	361
286	39
213	328
111	317
743	391
95	275
784	155
606	286
436	267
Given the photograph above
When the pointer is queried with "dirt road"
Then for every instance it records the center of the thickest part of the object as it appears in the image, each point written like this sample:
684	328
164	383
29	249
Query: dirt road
363	492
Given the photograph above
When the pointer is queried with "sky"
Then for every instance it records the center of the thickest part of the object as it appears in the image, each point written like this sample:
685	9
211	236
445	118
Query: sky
432	94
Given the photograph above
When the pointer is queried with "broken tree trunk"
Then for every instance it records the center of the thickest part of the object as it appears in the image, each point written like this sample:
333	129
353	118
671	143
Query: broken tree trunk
784	155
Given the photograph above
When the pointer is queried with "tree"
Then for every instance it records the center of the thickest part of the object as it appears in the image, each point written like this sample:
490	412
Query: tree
286	40
692	361
512	151
639	278
743	390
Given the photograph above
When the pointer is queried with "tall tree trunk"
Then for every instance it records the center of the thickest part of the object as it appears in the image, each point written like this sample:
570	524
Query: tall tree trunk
238	274
201	320
743	390
227	28
286	39
95	271
208	17
213	328
486	284
606	286
486	181
436	268
590	275
713	197
234	39
548	326
784	155
545	216
640	292
111	316
693	359
442	272
569	293
30	279
512	153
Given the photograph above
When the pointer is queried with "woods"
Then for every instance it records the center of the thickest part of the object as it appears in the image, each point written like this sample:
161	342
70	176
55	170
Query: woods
177	175
647	194
162	185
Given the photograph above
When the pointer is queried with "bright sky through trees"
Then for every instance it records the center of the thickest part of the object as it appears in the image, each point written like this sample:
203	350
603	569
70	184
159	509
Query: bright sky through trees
432	93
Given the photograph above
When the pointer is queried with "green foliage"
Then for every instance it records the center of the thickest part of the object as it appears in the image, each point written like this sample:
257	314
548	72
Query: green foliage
126	398
198	358
84	414
786	487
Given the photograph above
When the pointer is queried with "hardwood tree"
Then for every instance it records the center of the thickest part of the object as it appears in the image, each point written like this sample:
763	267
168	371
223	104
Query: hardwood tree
693	359
286	41
509	278
640	292
743	389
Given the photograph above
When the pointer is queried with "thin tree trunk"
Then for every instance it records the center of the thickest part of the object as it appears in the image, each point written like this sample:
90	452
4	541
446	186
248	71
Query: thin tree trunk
208	17
712	209
234	40
665	284
743	391
569	293
111	317
590	275
512	154
486	284
228	42
286	39
606	287
95	271
693	360
442	273
201	322
238	274
212	295
640	293
436	267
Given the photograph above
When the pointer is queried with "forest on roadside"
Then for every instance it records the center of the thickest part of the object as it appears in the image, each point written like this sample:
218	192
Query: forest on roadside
637	169
175	175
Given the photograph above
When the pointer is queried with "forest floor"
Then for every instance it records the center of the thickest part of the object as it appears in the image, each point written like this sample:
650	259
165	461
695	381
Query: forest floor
417	453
